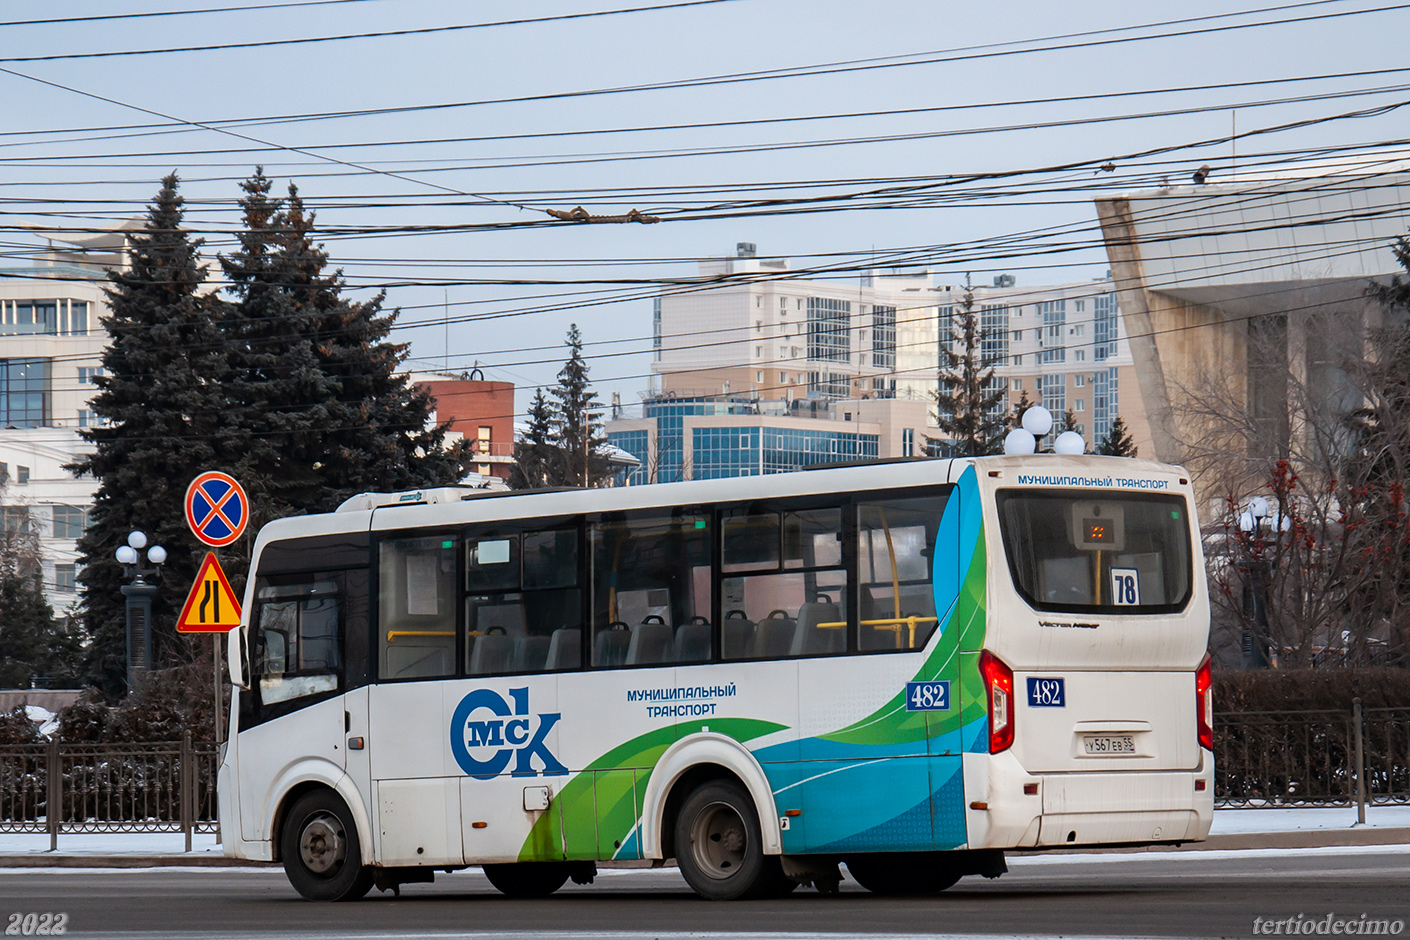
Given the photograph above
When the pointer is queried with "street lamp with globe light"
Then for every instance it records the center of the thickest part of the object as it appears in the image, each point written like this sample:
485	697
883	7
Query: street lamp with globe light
139	592
1257	571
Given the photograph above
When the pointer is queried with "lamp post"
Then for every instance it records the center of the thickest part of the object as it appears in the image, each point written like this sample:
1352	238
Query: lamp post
1255	599
139	592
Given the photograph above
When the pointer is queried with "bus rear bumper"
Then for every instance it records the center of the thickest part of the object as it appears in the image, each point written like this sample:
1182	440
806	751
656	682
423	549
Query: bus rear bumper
1007	807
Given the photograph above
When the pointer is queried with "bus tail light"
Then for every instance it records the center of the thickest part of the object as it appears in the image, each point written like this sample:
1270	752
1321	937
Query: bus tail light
998	685
1204	703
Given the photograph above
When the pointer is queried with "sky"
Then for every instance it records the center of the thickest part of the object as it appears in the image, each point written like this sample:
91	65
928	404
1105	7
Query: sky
443	207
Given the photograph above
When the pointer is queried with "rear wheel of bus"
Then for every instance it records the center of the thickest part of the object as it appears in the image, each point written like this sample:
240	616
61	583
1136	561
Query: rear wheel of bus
719	846
321	851
902	874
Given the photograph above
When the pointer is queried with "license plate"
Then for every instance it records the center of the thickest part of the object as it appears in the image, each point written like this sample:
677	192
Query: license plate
1109	744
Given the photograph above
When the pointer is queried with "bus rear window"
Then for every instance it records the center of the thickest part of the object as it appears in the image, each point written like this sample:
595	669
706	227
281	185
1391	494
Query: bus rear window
1080	551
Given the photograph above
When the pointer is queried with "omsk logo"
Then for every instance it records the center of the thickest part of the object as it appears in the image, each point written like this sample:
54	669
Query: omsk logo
485	732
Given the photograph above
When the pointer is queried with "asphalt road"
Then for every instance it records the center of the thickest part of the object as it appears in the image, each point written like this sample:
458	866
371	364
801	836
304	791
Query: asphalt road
1204	894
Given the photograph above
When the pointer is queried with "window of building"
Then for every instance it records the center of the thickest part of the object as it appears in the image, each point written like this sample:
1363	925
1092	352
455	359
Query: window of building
1054	314
1016	336
15	519
759	377
1079	404
1079	380
828	324
78	317
1079	330
69	522
86	374
29	316
758	326
783	376
24	393
651	577
1017	360
21	475
417	607
1080	355
85	418
1017	385
783	303
1104	326
994	324
908	442
66	578
1081	305
4	473
758	352
759	302
883	321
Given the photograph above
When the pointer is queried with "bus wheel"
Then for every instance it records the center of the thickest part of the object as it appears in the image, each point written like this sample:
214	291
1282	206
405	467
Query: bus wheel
719	847
901	874
322	855
527	879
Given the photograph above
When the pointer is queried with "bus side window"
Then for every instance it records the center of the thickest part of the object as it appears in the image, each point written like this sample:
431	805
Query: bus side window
793	599
416	609
297	638
895	559
523	608
651	589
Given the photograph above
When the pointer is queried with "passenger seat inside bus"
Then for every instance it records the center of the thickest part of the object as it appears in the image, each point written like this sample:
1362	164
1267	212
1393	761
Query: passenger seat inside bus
652	641
492	653
530	653
565	649
609	647
773	637
736	635
812	639
693	641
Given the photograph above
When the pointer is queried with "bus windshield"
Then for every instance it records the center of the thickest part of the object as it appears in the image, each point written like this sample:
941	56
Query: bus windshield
1083	551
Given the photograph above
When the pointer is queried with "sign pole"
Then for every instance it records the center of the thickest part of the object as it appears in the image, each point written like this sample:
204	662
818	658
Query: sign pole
219	699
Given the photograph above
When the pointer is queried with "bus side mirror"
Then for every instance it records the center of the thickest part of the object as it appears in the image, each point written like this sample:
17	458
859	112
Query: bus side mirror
238	657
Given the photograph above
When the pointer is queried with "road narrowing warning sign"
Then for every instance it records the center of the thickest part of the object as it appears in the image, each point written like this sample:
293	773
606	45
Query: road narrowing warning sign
211	606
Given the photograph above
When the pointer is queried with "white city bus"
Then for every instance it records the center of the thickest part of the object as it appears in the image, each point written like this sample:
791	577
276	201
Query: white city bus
906	667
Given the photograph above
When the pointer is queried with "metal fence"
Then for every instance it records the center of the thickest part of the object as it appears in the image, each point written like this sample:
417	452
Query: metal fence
58	787
1327	757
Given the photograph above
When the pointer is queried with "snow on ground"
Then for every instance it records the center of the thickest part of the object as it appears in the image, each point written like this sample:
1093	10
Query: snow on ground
109	843
1230	821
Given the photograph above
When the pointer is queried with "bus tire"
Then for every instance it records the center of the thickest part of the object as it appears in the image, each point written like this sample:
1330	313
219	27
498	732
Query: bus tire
901	874
719	846
527	879
321	851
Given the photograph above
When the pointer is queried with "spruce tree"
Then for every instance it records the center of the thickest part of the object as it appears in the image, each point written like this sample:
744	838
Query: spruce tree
1069	421
1118	441
577	421
969	401
1022	405
164	418
537	459
329	414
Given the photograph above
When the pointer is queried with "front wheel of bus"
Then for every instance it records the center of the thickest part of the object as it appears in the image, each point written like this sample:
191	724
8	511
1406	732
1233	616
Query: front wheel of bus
719	847
901	874
322	855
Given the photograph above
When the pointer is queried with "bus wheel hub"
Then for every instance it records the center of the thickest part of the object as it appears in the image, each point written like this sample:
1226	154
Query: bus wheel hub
321	845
